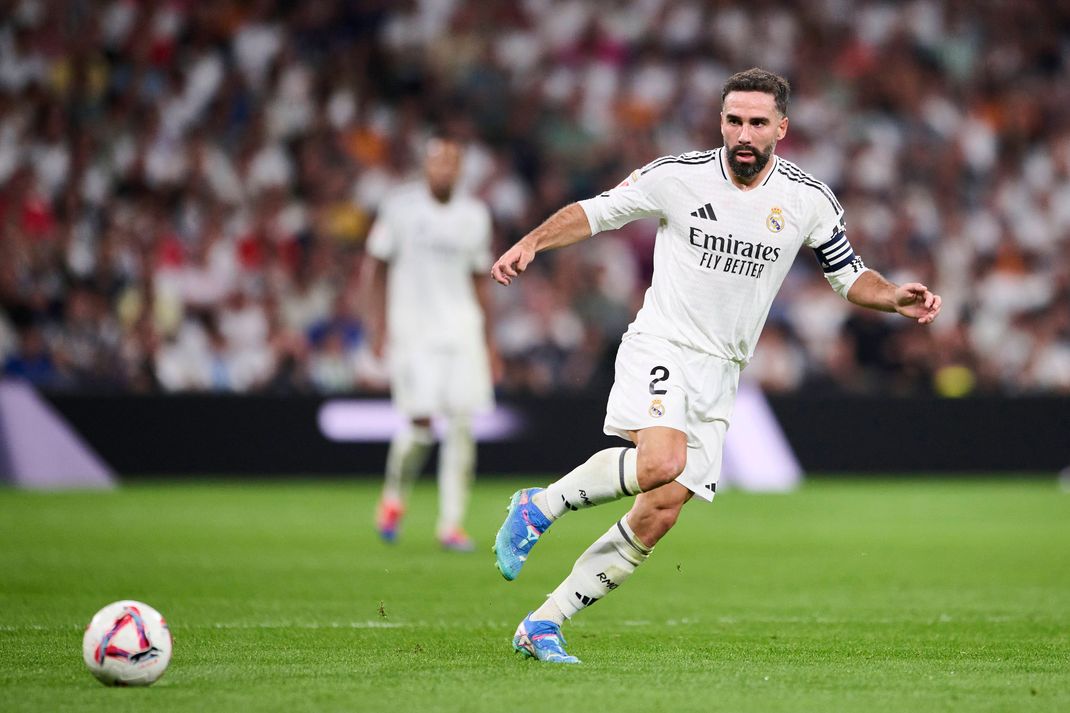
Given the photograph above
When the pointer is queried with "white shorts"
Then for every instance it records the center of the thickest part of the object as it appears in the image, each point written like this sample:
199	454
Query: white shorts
659	383
441	381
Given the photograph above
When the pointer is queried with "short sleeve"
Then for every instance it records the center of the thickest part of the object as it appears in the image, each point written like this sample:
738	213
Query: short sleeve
382	239
828	238
632	199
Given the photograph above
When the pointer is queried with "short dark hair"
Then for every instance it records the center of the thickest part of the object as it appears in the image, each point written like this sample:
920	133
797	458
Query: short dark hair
759	80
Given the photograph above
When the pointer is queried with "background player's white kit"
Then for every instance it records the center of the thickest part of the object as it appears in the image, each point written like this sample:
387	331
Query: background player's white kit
437	351
431	247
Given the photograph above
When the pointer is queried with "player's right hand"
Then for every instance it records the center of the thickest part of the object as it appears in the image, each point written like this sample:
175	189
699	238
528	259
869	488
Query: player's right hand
515	260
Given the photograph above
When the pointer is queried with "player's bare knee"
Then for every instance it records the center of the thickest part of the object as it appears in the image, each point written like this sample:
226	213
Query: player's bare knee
659	471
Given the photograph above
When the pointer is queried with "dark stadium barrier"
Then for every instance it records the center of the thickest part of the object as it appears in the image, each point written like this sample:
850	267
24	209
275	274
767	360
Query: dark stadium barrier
142	436
285	435
889	435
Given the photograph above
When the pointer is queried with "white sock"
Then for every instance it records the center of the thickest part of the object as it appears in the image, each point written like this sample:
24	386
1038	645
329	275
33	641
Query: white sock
605	477
601	569
549	611
456	463
406	458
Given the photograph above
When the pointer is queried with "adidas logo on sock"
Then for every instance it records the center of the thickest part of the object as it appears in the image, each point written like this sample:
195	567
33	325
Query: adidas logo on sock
585	600
705	211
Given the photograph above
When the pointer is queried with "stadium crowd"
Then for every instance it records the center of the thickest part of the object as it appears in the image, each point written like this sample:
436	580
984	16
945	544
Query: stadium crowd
185	187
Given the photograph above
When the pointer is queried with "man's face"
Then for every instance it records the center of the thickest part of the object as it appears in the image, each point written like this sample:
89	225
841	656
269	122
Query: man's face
442	166
751	126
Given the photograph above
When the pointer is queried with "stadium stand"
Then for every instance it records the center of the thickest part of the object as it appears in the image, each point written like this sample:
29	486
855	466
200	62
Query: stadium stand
185	187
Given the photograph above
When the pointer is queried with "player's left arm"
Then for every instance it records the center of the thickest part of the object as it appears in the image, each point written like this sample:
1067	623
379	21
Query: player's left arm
850	277
913	299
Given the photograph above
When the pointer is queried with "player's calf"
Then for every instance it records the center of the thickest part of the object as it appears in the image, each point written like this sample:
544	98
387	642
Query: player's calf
605	566
656	512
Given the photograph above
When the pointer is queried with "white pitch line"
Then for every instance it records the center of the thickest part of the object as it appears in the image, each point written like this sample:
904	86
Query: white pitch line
241	625
312	625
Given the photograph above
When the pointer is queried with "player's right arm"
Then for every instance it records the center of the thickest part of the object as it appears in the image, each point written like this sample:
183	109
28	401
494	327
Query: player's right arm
635	197
372	293
380	249
565	227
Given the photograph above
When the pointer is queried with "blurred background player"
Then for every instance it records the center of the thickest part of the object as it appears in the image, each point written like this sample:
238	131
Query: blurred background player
426	293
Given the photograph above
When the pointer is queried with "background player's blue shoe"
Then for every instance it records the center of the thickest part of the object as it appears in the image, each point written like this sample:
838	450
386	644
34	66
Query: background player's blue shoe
522	528
541	640
388	519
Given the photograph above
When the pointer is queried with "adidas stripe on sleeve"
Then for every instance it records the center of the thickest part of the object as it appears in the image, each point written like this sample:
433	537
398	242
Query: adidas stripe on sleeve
636	196
621	205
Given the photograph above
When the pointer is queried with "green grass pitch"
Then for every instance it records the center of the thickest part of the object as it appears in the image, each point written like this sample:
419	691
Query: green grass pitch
857	595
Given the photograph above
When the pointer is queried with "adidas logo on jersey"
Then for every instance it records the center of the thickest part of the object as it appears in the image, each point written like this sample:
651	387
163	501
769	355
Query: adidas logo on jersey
705	211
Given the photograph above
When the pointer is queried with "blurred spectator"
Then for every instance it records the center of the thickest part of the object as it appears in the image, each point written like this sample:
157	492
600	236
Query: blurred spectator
33	362
185	188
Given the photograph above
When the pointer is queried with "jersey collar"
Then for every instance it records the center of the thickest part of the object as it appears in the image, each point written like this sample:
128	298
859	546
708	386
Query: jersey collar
722	160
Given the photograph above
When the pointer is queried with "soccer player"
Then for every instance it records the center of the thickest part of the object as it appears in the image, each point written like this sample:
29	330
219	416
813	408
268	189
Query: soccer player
427	295
731	222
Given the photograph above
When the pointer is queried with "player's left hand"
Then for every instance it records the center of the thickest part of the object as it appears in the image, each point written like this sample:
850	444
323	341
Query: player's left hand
515	260
914	300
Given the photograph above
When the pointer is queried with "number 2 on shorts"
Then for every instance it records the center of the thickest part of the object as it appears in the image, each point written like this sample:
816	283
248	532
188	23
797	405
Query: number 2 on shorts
664	374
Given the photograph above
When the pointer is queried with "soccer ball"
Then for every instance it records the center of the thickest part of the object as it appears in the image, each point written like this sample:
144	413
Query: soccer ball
127	644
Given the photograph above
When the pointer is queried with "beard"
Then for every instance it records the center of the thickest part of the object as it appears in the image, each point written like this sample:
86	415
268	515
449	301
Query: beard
746	171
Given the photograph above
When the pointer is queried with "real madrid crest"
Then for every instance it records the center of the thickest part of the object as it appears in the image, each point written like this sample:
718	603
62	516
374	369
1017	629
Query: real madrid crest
775	222
657	409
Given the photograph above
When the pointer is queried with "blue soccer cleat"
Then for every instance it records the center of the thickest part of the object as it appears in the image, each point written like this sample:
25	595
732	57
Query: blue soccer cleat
541	640
523	527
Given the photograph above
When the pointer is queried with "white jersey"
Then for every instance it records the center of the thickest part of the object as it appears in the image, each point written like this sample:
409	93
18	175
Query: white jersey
433	249
722	253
